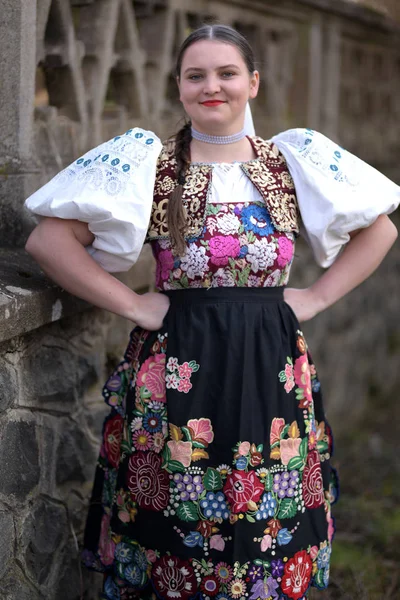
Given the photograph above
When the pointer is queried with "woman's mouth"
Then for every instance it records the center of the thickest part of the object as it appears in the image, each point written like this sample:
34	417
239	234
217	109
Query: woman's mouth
213	102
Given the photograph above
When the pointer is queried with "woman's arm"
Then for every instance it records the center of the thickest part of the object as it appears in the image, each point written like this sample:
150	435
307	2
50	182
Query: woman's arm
360	257
58	246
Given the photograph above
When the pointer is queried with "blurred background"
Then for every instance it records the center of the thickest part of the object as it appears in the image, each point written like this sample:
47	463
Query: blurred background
74	73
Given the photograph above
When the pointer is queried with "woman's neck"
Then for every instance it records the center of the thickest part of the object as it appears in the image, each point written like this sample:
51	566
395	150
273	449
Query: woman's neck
241	151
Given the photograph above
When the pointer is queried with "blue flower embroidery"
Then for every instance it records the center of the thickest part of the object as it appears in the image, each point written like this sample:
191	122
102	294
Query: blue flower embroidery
111	590
256	218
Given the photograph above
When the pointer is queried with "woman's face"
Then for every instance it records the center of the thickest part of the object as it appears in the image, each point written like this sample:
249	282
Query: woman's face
215	85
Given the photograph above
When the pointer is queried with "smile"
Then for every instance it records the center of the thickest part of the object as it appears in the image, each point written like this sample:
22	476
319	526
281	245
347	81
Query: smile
213	102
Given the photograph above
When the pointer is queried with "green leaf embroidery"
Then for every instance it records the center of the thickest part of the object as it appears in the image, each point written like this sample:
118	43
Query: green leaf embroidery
322	447
288	508
187	433
214	208
175	466
144	393
187	511
269	481
199	445
250	519
260	447
232	263
295	463
212	480
284	431
303	447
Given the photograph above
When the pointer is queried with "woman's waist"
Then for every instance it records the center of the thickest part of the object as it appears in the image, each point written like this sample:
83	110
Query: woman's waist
224	294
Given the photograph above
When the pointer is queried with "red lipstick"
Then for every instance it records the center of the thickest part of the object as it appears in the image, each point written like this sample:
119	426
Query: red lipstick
213	102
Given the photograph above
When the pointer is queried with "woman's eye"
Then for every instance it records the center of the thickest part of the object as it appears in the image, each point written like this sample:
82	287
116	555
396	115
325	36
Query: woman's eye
194	77
228	74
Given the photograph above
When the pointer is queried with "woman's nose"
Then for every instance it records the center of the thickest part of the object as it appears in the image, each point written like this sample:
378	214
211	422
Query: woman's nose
211	85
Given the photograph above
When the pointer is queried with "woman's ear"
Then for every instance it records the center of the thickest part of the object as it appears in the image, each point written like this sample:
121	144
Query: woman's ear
254	84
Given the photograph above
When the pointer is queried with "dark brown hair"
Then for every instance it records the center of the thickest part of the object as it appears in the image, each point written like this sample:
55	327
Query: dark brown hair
176	215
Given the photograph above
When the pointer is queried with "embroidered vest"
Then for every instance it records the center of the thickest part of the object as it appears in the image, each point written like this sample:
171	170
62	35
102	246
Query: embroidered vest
268	172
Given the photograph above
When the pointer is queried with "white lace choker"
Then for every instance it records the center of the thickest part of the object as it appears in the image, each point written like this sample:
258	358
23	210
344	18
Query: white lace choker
218	139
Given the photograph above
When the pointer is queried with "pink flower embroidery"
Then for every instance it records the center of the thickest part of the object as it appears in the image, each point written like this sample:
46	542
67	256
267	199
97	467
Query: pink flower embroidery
165	264
201	430
106	545
241	488
185	370
276	427
289	449
285	251
181	451
331	529
184	386
302	378
244	448
222	248
151	556
217	542
148	484
152	375
266	543
142	439
289	385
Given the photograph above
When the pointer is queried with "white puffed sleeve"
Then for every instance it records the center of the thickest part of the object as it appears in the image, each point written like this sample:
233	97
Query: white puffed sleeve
336	191
111	189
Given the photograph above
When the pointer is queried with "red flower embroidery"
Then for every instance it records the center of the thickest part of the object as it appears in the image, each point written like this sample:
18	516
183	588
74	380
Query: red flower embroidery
210	586
148	484
313	488
112	439
205	528
297	574
174	578
240	488
256	459
274	527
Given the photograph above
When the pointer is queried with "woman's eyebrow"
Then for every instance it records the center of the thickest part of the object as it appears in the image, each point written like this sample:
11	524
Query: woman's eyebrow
221	67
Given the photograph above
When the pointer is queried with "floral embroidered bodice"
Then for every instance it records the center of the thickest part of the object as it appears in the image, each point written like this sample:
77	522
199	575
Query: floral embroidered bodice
239	246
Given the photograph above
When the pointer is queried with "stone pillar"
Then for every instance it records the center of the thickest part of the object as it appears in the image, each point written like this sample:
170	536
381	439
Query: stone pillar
331	78
315	63
17	76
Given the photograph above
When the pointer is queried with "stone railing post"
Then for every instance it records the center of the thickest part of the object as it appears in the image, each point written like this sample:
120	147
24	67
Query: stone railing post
17	88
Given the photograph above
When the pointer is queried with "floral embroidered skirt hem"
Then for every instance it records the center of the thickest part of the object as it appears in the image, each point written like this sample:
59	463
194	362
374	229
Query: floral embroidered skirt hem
213	479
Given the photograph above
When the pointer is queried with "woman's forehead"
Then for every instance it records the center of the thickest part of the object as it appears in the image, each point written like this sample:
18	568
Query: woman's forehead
211	54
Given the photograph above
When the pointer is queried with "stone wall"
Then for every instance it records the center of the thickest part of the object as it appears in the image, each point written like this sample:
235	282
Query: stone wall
74	73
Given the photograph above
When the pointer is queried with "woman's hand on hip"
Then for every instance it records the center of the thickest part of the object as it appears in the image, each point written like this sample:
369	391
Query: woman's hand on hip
303	303
150	310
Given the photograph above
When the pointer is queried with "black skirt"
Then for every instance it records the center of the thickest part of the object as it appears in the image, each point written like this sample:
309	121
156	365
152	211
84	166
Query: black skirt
213	479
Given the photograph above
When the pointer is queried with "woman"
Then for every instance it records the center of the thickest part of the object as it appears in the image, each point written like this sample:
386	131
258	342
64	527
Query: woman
213	479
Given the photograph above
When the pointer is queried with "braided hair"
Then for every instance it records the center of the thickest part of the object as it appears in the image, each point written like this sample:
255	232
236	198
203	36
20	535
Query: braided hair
176	216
